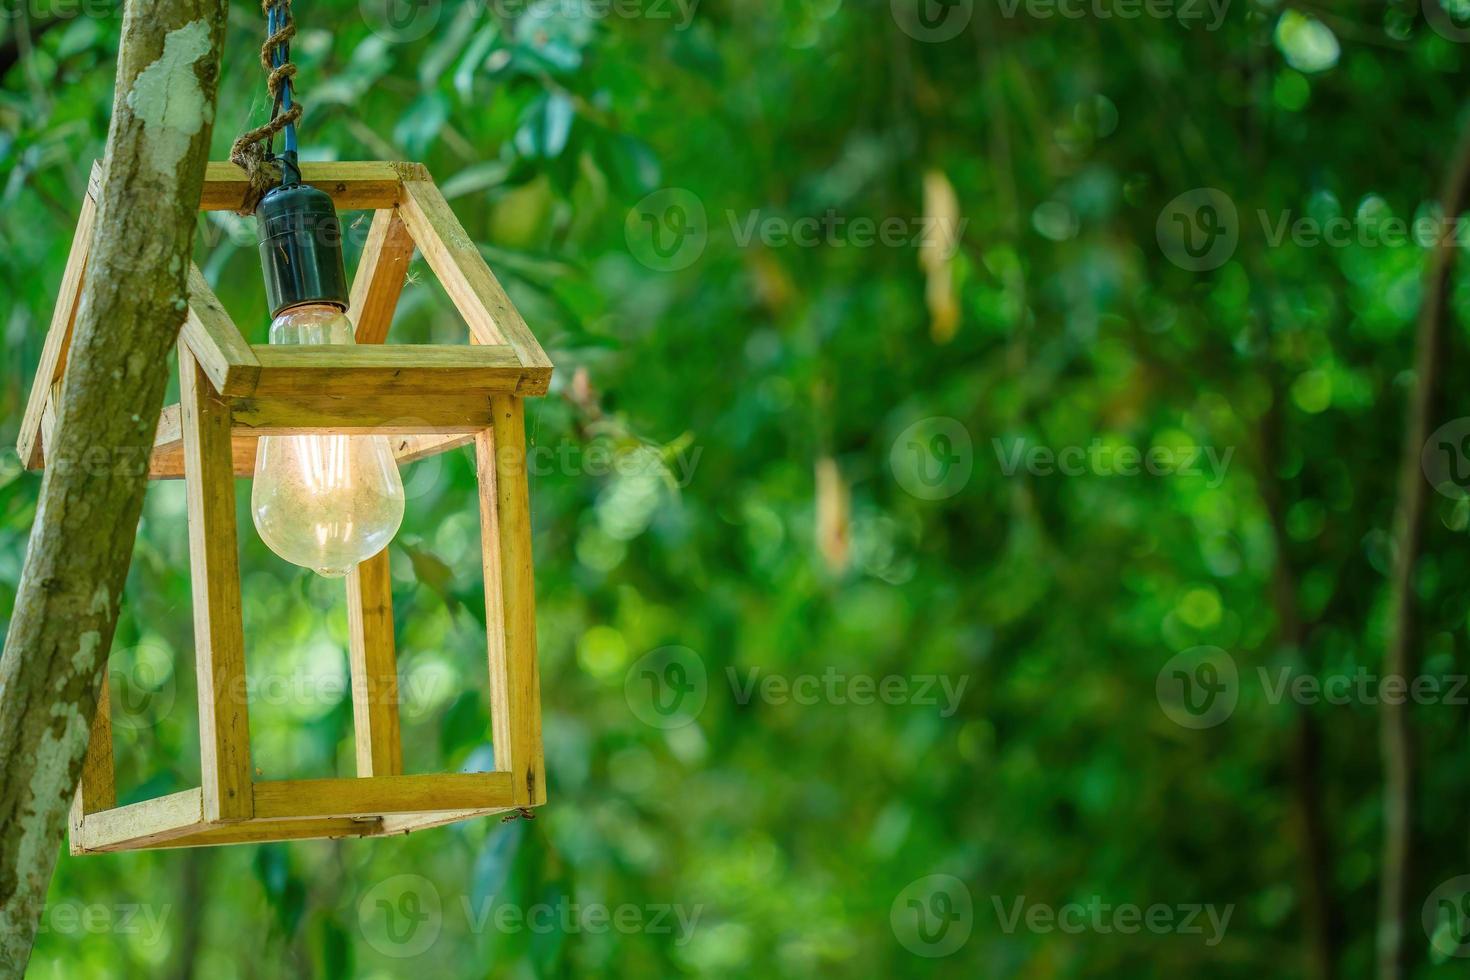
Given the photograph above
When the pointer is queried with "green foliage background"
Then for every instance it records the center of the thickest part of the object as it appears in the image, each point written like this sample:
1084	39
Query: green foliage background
790	830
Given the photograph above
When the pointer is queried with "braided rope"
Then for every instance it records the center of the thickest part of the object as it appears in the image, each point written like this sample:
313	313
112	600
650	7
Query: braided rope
253	151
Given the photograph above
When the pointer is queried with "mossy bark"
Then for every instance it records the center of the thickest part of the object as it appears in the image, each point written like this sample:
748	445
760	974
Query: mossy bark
132	307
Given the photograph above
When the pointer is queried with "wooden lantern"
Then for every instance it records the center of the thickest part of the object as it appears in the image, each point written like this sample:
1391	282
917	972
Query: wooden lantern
232	393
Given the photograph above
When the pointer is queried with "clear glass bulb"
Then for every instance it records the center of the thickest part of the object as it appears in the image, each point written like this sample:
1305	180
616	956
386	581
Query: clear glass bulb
325	502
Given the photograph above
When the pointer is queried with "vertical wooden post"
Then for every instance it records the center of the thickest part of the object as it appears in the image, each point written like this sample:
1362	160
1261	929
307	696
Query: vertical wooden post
494	600
219	635
518	698
374	668
97	789
372	657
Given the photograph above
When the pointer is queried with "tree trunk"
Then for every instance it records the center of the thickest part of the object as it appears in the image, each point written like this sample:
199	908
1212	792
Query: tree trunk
1396	907
131	310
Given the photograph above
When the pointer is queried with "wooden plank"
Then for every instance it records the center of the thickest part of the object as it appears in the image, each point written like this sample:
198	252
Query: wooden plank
380	276
266	831
224	725
97	789
500	710
216	342
520	697
398	823
352	185
477	294
49	419
58	337
292	798
408	449
374	668
167	462
365	371
388	413
144	824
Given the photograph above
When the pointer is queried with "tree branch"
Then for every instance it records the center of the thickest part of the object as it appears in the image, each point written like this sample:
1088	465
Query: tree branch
1396	913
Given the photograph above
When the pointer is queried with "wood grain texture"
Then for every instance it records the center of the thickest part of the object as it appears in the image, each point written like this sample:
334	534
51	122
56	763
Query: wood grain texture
224	726
266	831
518	601
58	337
476	293
389	413
167	460
373	370
352	185
146	823
374	668
294	798
500	690
381	273
216	342
97	789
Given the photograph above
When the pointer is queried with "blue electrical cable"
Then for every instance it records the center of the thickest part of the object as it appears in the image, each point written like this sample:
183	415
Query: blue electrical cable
290	167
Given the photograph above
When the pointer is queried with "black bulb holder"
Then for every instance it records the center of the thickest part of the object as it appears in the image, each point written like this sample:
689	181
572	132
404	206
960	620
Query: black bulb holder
300	248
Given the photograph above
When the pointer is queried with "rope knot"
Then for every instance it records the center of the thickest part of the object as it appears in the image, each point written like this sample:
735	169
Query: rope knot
253	152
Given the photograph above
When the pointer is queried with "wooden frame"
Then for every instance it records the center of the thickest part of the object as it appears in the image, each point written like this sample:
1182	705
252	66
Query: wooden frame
428	399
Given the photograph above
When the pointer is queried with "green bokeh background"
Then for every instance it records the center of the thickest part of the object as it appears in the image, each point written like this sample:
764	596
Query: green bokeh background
629	170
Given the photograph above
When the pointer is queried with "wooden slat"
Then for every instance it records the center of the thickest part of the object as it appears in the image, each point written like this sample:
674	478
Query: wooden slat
352	185
215	340
381	795
374	668
372	370
144	824
519	698
167	462
500	713
97	789
408	823
58	337
389	414
224	726
380	276
408	449
265	831
477	294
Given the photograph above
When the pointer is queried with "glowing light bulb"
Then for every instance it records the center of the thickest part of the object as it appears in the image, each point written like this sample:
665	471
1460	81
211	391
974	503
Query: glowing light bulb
324	502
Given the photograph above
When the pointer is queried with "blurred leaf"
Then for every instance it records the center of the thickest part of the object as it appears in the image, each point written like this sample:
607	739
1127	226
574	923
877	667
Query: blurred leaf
545	126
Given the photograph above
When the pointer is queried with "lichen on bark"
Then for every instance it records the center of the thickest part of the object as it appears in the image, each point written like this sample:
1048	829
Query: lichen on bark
86	518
